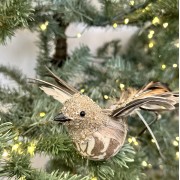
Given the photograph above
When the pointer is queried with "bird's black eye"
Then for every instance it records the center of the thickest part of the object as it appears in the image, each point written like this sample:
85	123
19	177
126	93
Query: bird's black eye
82	113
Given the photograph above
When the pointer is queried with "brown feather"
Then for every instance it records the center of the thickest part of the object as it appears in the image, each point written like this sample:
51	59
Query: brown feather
154	97
62	92
62	83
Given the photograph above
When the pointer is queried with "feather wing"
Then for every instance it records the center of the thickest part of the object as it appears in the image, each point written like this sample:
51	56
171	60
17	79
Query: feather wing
62	92
154	97
62	83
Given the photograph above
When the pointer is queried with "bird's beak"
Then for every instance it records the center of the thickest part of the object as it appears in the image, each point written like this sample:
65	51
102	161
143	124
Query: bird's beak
61	118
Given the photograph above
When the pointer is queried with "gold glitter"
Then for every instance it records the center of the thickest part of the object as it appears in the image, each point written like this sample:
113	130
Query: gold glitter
94	117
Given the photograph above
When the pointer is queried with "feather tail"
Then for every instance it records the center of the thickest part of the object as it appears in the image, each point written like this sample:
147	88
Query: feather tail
153	97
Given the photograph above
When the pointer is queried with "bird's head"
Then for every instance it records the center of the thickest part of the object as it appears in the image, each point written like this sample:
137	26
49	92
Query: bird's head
80	110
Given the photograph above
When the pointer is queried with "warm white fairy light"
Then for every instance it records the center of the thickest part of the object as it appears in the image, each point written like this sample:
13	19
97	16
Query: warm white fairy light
177	138
115	25
15	147
151	45
16	138
131	3
147	8
5	154
106	97
126	21
163	66
177	155
175	65
79	35
94	178
31	149
151	34
121	86
133	139
165	25
82	90
155	21
22	178
136	143
130	140
175	143
144	163
43	26
46	23
42	114
177	45
152	140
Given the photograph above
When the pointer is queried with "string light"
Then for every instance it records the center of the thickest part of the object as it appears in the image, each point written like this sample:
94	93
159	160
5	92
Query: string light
136	143
163	66
144	163
43	26
155	21
152	140
20	151
147	8
149	165
177	45
5	154
42	114
131	3
177	138
15	147
126	21
150	36
16	138
130	140
175	143
165	25
133	139
177	155
46	23
82	90
106	97
115	25
151	33
121	86
78	35
175	65
94	178
22	178
151	44
31	149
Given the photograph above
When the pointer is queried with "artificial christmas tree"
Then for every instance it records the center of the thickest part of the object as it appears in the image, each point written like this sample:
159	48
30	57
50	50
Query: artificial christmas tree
151	55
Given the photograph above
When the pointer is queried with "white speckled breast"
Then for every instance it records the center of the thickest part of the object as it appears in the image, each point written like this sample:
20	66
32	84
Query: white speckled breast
104	143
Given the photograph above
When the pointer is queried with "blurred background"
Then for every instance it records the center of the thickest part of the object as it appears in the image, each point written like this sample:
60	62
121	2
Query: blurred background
101	47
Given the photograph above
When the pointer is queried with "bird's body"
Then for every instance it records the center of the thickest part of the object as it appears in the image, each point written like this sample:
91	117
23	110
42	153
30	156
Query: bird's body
104	136
98	133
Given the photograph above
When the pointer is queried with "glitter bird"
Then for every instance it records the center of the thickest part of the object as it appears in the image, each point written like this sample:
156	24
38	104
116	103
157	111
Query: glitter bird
97	133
